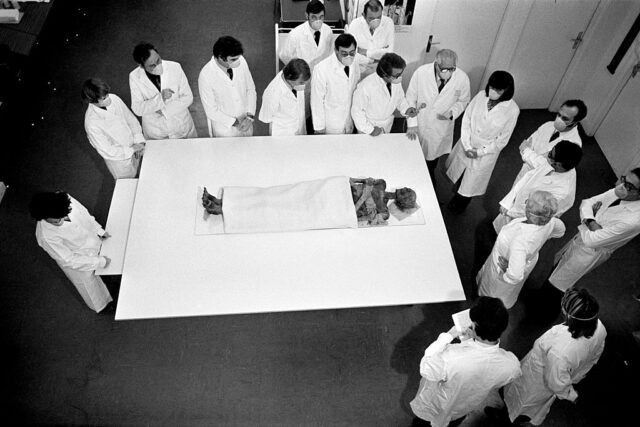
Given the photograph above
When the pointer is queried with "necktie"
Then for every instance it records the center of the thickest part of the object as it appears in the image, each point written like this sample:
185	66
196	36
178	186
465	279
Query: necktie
441	85
346	71
615	203
554	136
230	72
316	37
295	93
389	88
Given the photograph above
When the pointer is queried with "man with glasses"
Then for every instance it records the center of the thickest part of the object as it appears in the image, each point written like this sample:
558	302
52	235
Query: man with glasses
443	89
608	221
379	95
375	34
332	85
563	128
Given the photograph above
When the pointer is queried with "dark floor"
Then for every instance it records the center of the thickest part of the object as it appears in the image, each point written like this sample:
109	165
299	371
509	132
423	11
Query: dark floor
69	366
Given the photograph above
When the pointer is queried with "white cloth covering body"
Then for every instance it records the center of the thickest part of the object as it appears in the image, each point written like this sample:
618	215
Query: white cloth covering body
112	132
174	121
331	95
373	106
436	136
457	378
376	44
561	185
225	99
519	243
549	370
284	111
74	246
541	145
486	131
301	44
588	249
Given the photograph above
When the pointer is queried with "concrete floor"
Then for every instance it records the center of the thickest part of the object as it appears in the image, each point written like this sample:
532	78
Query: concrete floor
69	366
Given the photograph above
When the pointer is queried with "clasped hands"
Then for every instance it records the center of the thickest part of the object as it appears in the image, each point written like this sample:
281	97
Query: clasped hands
592	224
243	122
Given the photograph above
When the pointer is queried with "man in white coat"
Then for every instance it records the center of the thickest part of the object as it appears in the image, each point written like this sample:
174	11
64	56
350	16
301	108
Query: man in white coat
72	237
227	91
608	221
457	378
112	129
443	89
563	128
379	95
161	95
332	84
375	35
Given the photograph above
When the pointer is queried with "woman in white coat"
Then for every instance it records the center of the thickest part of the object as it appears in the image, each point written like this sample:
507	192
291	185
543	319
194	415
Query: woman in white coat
72	237
560	358
486	128
515	252
161	95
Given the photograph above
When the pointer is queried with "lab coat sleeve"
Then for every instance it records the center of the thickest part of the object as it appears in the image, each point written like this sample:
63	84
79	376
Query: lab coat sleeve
269	106
586	207
132	122
502	139
102	143
181	100
318	94
88	218
288	51
210	103
358	112
533	159
610	234
557	377
402	105
388	46
558	228
67	258
252	97
412	90
517	263
139	104
463	99
432	365
465	128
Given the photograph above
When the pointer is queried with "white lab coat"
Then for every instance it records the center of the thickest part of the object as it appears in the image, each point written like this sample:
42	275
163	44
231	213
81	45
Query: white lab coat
74	246
112	133
436	136
561	185
373	106
519	243
331	95
488	132
284	111
300	44
456	379
376	44
175	121
549	370
225	99
588	249
541	145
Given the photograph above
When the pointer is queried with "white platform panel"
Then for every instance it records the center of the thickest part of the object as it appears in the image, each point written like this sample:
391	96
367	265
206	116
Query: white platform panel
170	271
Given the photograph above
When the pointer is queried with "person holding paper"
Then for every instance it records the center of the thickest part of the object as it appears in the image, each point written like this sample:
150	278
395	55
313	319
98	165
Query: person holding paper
515	252
72	237
457	378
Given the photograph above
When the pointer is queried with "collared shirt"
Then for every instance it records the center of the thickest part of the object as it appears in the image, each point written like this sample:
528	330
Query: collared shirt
282	109
301	44
376	44
541	145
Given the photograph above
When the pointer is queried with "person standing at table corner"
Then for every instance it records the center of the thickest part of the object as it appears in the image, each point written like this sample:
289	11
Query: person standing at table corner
560	358
608	221
112	129
379	95
375	35
457	378
486	128
444	90
161	95
332	85
227	91
283	100
72	237
563	128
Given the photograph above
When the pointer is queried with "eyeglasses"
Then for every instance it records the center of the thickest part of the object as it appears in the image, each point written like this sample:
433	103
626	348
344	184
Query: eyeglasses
629	186
449	69
347	54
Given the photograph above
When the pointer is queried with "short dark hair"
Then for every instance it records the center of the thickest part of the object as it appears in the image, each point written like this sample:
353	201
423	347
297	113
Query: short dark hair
94	89
372	5
295	69
142	52
345	40
580	105
490	316
580	311
315	6
636	172
50	205
227	46
501	80
388	62
568	154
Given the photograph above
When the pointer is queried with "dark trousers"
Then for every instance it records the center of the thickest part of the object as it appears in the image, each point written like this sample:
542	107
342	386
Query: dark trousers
547	302
431	165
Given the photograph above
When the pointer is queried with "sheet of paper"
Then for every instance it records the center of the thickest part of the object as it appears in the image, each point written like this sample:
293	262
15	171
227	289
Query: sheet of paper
462	320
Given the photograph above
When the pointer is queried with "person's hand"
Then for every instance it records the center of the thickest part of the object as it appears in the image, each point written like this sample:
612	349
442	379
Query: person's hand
245	124
362	51
503	210
376	131
320	131
411	112
593	226
472	154
105	236
167	94
596	207
454	332
527	143
412	132
443	117
239	120
108	261
503	263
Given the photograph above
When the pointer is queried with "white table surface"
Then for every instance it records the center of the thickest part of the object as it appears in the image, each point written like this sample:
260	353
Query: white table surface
169	271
